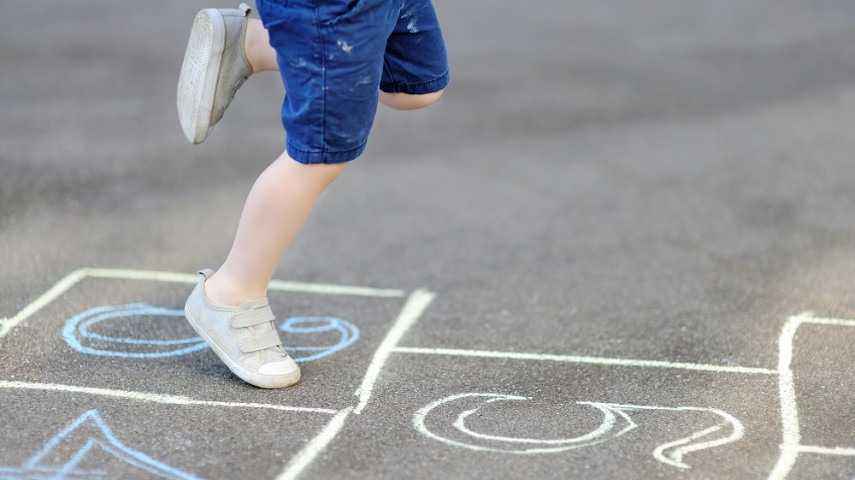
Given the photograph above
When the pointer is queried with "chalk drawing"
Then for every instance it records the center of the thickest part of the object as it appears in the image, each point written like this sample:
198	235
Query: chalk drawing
79	333
85	337
348	334
615	423
78	330
616	417
63	455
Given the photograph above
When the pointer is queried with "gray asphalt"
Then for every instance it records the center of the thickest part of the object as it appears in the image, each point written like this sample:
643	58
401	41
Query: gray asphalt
631	227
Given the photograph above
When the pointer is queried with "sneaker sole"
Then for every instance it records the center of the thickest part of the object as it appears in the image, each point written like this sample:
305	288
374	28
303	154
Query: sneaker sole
257	379
197	82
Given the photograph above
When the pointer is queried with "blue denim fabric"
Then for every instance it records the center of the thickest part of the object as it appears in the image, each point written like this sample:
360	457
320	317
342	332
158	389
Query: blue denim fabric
336	55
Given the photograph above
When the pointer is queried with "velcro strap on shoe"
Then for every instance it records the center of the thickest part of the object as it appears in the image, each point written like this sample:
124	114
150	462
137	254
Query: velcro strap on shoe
250	318
260	342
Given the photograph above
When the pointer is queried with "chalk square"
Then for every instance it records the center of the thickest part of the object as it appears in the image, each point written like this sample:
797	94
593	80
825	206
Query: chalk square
489	397
51	434
39	350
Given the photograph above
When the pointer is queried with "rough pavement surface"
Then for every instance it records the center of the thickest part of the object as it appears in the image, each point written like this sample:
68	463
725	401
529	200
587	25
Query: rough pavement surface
622	245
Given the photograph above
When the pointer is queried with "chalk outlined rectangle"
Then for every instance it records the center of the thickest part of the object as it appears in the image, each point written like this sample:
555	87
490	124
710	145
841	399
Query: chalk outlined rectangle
414	305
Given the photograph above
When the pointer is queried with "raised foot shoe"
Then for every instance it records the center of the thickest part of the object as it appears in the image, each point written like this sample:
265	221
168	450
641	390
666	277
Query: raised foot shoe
214	68
244	337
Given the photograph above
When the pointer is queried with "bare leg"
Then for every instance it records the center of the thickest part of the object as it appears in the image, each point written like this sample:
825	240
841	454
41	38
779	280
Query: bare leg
280	200
261	56
275	210
404	101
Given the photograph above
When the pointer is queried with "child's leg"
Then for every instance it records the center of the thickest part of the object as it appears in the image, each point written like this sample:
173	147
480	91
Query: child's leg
229	308
274	212
406	101
331	97
261	56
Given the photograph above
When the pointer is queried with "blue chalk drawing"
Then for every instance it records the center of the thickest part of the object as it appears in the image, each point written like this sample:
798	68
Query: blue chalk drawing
79	333
348	332
61	457
77	330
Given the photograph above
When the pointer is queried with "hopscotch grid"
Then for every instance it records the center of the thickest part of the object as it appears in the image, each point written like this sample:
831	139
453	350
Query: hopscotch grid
791	445
415	306
410	313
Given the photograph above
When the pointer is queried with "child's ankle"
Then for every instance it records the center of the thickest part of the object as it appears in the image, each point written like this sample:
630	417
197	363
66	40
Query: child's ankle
219	291
256	45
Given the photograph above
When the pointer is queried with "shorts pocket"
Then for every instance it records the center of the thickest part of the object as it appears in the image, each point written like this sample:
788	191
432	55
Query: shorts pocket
341	11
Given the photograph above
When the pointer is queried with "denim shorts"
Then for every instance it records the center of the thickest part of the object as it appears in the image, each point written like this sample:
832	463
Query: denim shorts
336	55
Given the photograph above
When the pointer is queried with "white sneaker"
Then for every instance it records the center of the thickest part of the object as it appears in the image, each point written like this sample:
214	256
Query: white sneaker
244	337
215	66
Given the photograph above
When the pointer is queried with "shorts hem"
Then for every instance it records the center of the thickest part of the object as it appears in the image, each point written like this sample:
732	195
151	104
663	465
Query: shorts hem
311	157
421	88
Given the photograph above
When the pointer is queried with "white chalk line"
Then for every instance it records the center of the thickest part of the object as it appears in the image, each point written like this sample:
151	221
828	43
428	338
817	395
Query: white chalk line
836	322
155	397
75	277
789	408
52	294
846	452
147	275
276	285
328	289
308	454
410	313
791	441
584	360
416	304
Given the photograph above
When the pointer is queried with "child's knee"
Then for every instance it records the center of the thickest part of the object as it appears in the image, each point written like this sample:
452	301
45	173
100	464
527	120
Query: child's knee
406	101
